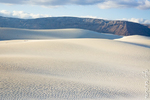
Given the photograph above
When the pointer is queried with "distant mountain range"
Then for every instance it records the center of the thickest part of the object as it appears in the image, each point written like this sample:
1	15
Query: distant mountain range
123	28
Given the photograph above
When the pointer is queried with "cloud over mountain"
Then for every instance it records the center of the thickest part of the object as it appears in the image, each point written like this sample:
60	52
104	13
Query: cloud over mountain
21	14
24	15
137	20
103	4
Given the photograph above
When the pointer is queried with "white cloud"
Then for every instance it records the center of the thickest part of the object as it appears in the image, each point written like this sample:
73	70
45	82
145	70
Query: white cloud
144	5
119	4
94	17
24	15
4	12
137	20
147	21
103	4
21	14
52	2
110	4
140	4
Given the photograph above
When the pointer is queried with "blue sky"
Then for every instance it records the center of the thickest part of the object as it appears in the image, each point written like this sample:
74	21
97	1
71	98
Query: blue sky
131	10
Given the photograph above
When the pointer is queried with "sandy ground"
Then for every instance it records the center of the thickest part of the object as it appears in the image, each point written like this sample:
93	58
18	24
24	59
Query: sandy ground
72	64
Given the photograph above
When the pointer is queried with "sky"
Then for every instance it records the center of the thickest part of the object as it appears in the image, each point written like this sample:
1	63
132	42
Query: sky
131	10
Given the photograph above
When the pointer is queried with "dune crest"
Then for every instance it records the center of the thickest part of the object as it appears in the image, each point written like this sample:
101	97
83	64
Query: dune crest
19	34
136	39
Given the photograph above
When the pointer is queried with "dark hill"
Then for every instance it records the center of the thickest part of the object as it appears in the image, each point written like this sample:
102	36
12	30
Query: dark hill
148	25
99	25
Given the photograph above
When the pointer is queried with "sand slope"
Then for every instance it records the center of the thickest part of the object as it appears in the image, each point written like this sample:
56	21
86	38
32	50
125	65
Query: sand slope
19	34
136	40
72	69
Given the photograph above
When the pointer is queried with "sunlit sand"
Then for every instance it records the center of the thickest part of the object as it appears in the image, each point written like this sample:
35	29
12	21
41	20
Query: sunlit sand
72	64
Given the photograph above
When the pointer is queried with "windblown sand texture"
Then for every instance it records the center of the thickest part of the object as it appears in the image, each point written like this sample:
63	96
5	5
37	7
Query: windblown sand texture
72	64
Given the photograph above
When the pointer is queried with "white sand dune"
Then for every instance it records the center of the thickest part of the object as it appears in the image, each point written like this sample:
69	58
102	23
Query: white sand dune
26	34
136	39
72	69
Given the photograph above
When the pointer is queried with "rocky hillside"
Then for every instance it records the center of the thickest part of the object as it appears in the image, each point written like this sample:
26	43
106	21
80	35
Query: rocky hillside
123	28
148	25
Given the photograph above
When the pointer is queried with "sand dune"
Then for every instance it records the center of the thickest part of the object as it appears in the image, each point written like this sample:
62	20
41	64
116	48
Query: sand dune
72	68
137	40
19	34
